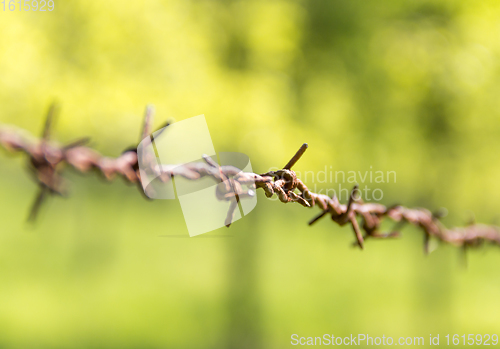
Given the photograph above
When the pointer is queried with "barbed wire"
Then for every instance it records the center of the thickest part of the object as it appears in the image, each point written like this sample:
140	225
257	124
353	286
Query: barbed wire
47	160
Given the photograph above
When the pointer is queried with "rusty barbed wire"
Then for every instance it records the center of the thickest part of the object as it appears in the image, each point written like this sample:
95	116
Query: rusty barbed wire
47	160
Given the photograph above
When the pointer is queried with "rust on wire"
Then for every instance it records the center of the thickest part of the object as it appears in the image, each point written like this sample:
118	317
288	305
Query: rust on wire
47	160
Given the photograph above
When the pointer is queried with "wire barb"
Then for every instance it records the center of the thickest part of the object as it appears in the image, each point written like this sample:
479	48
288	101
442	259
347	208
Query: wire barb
296	157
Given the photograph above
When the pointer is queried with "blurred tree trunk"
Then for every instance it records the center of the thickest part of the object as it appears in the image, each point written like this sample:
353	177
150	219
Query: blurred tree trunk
244	312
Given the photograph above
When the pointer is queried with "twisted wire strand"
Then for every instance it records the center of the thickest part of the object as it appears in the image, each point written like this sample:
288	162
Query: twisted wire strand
47	160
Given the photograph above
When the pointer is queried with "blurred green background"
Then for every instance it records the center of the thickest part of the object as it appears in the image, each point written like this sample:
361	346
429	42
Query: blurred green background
405	86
